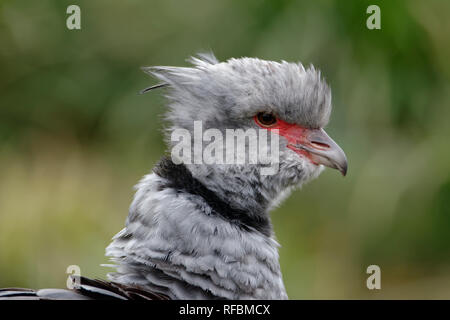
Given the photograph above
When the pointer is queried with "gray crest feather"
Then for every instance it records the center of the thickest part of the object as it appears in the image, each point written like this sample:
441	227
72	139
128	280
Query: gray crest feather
242	87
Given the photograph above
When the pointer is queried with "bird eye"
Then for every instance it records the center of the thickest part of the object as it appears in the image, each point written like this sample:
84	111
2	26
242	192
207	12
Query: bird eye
266	119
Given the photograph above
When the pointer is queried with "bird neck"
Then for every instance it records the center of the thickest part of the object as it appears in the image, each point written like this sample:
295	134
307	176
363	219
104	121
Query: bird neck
241	192
185	241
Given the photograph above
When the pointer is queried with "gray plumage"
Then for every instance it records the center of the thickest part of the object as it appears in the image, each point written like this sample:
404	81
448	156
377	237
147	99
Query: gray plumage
169	244
199	231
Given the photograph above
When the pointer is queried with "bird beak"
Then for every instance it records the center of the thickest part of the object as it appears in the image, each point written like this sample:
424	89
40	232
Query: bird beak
315	144
318	147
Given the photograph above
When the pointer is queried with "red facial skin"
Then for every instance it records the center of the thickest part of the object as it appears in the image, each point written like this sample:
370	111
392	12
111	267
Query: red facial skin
293	133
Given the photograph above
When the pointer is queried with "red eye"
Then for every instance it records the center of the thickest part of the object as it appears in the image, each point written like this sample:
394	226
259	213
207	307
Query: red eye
266	119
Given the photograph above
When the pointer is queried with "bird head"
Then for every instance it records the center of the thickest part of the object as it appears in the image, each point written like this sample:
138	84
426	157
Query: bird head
285	99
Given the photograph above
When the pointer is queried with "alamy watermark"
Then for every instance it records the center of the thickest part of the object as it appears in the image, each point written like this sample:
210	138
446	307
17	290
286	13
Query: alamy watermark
234	146
73	280
374	280
374	20
73	21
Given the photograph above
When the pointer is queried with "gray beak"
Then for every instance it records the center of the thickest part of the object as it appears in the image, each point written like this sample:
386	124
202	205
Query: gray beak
324	150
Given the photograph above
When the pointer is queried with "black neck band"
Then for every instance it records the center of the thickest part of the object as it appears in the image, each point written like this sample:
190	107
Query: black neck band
181	179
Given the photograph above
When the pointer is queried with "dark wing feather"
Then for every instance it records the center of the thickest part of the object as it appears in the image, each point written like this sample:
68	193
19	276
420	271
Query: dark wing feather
88	289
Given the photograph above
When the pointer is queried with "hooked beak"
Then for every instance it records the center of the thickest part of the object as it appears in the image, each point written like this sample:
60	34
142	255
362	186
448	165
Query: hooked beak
321	149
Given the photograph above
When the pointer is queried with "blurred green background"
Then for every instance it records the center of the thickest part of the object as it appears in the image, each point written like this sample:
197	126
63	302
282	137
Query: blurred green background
75	136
